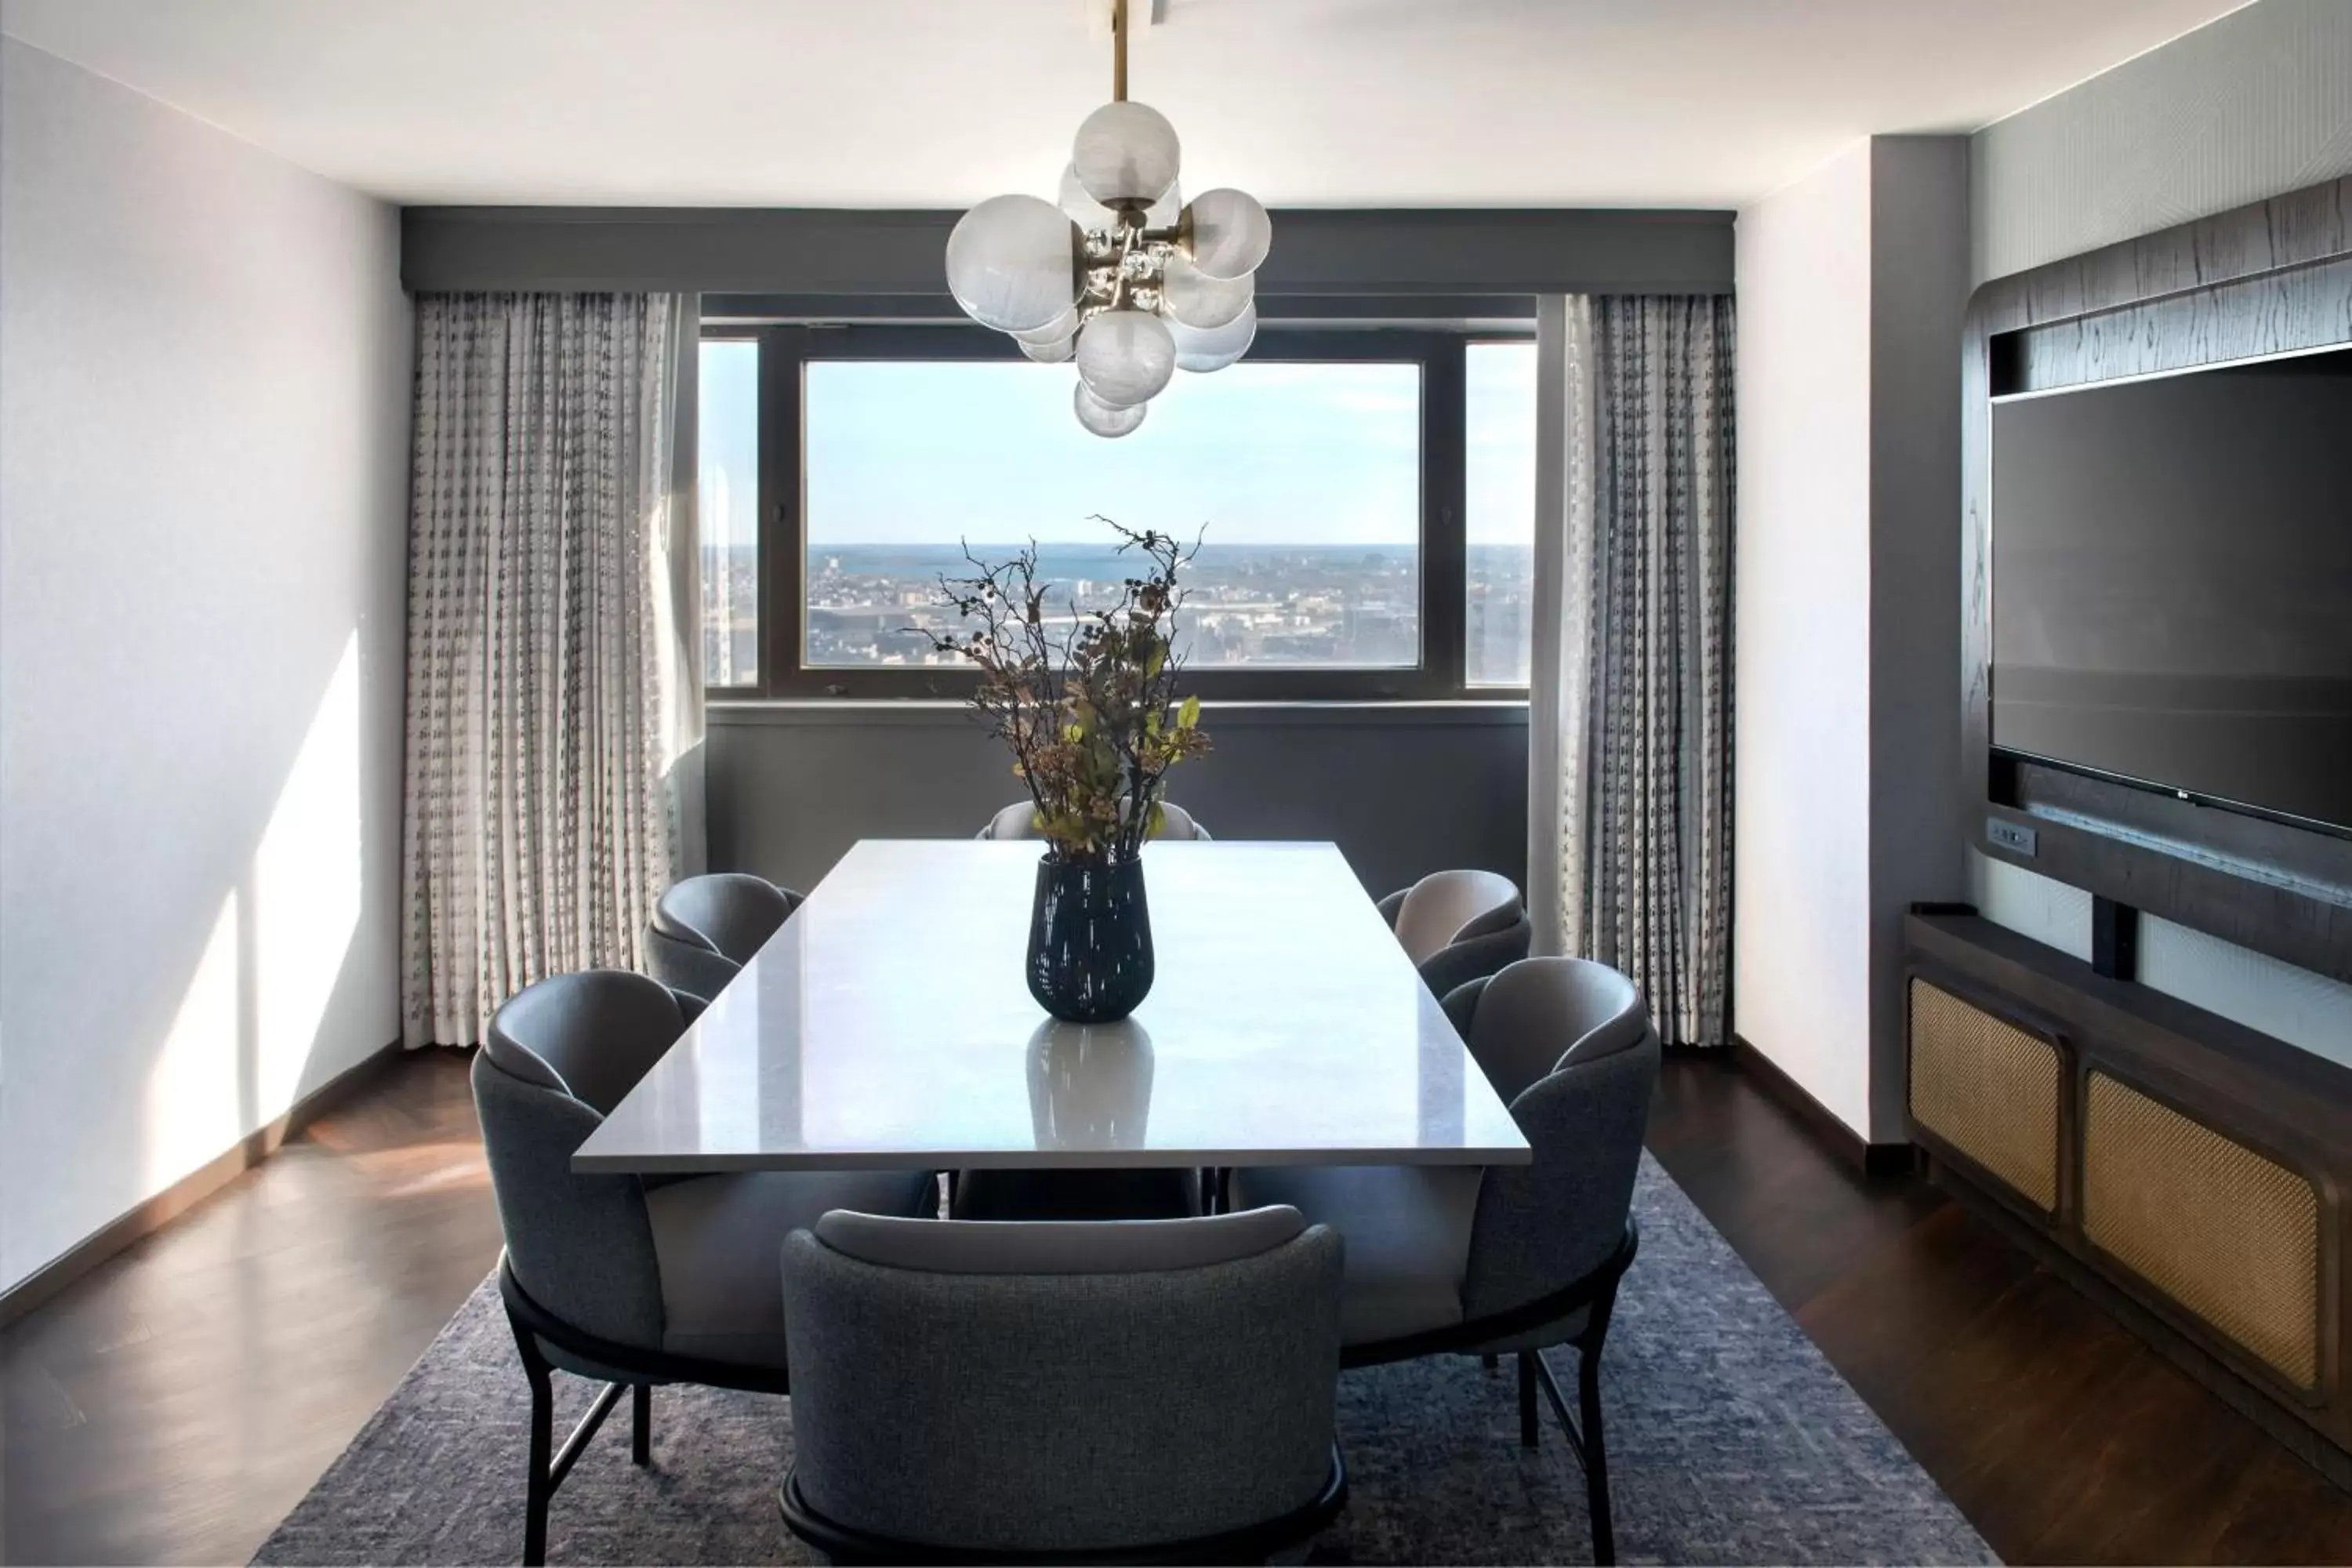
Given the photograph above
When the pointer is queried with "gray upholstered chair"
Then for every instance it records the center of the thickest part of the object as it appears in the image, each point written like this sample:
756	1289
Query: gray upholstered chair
1019	820
629	1281
1514	1257
706	929
1123	1391
1459	926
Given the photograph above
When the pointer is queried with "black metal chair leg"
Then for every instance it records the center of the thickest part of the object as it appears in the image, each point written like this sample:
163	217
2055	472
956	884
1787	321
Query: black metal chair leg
538	1485
641	1425
1527	1429
1596	1457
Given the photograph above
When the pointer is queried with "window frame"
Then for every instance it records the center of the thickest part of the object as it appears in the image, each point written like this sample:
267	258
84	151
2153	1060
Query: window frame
787	348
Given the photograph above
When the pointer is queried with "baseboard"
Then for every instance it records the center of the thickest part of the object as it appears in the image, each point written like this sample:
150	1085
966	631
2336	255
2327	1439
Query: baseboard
146	1218
1871	1159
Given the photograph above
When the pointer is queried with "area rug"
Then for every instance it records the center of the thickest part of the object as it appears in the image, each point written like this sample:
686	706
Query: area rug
1730	1440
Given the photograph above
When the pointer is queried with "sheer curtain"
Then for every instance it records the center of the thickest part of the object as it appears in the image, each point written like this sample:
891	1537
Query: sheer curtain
554	703
1629	853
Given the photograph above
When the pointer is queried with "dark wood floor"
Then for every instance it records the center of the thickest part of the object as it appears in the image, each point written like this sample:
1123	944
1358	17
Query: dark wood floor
174	1405
2061	1437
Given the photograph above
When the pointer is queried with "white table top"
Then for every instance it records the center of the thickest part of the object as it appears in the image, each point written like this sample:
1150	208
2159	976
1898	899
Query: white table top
887	1026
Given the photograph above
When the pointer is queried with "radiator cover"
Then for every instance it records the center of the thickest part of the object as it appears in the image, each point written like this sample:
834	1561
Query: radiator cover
1987	1090
2228	1234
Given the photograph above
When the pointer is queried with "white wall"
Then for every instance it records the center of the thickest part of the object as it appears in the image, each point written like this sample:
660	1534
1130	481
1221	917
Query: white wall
1800	787
204	416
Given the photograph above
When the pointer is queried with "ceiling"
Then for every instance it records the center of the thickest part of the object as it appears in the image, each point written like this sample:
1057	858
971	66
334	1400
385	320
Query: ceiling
941	102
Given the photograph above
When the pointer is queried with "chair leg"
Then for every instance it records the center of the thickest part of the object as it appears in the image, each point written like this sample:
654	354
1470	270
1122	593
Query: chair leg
641	1425
1596	1457
538	1485
1528	1429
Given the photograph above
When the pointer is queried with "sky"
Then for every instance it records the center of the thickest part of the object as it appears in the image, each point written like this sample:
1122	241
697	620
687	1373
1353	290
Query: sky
1261	452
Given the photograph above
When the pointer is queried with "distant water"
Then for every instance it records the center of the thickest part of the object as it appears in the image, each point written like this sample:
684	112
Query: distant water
1060	561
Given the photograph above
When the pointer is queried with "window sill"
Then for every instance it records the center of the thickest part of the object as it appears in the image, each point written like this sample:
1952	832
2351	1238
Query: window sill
853	710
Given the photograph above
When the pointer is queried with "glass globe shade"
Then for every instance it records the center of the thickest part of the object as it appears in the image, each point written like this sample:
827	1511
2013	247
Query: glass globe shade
1102	419
1089	214
1199	300
1059	329
1055	351
1125	152
1011	264
1203	350
1231	233
1124	357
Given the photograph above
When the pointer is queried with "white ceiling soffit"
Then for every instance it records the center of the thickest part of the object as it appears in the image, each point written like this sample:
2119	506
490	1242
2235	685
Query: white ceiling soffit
938	103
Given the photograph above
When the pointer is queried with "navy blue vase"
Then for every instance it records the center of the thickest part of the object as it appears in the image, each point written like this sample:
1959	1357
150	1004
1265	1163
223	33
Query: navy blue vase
1089	939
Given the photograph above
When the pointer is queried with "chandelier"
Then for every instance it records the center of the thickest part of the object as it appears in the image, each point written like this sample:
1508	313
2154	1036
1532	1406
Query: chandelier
1123	275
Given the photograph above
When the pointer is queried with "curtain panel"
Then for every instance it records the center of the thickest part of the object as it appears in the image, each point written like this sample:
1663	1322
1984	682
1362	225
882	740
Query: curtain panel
554	706
1629	855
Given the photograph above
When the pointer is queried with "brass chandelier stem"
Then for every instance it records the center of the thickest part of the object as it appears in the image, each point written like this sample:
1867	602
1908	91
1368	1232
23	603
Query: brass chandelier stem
1118	51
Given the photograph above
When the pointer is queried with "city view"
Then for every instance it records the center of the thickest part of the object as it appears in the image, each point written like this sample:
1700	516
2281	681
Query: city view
1259	604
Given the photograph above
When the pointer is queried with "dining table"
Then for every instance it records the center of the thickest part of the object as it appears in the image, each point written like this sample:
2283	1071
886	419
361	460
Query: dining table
889	1024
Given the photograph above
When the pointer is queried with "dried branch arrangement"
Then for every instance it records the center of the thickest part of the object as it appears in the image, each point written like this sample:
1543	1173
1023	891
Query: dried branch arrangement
1085	700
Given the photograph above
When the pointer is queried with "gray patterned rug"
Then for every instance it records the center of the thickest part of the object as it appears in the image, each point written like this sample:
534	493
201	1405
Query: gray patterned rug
1730	1440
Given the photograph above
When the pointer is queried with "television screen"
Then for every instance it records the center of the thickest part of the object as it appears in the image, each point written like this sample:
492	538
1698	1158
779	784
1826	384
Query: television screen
2172	583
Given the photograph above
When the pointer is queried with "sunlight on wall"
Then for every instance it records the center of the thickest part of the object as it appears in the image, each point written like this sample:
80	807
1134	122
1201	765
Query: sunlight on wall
306	890
192	1091
250	1019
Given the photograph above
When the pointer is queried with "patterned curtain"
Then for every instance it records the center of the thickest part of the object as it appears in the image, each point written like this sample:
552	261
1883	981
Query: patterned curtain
1630	823
555	711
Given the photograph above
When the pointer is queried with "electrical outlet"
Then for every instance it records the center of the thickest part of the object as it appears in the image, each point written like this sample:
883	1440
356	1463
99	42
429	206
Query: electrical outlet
2011	835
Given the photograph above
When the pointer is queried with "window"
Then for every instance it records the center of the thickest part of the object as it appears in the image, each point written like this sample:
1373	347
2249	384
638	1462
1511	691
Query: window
1323	476
1499	511
727	415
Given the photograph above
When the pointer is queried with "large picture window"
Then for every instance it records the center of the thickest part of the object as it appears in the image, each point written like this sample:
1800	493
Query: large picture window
1324	478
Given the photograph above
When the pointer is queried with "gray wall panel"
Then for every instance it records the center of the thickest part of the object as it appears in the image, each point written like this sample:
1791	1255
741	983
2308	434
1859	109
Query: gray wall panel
2256	104
1402	791
1918	294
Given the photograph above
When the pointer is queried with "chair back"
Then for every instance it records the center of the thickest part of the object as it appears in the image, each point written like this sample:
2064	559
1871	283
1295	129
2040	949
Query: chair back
1539	1016
1567	1043
1059	1386
561	1054
1019	820
1447	907
686	965
1493	948
590	1034
730	913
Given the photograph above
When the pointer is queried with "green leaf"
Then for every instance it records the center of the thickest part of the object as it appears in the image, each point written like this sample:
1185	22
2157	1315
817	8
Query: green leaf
1189	714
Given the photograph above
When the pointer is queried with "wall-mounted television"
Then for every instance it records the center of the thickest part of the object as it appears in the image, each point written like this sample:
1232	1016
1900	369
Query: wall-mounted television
2172	583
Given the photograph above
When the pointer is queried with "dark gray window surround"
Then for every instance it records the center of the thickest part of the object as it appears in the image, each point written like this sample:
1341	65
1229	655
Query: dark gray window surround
1404	283
836	263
